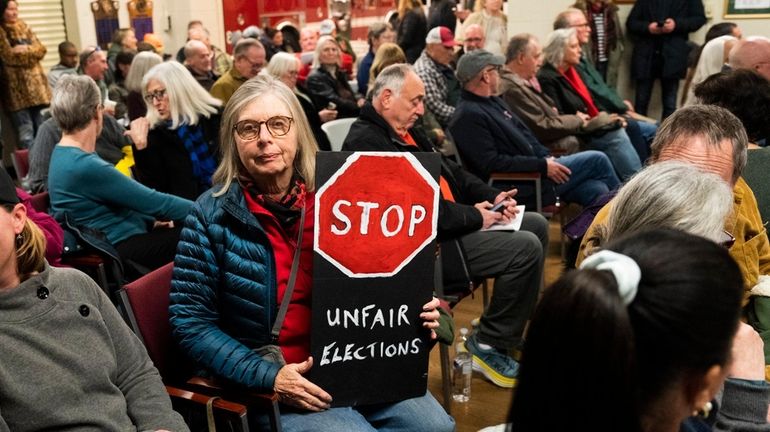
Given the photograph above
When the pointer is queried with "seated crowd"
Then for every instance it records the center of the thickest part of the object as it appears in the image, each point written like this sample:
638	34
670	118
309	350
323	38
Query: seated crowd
208	161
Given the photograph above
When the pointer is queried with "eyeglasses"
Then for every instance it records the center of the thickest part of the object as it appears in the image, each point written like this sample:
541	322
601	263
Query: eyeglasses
583	25
249	130
473	39
728	240
157	95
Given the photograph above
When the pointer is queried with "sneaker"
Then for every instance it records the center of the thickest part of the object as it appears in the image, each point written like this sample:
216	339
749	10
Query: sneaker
496	366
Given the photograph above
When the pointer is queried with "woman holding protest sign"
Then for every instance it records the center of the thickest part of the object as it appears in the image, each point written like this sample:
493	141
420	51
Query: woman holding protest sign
238	258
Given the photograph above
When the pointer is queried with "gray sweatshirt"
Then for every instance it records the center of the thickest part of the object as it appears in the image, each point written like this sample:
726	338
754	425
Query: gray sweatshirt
69	362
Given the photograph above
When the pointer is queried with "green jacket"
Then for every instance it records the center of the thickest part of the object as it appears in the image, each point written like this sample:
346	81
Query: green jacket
605	98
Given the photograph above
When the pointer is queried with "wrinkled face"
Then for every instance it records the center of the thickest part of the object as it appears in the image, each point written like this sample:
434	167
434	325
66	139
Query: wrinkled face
290	76
200	61
403	109
696	151
579	22
129	41
157	97
532	60
69	58
11	13
251	63
474	38
96	65
440	54
308	40
330	53
572	52
267	156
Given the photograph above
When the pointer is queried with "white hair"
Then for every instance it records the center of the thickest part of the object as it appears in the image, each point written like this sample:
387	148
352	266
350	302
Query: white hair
187	100
555	44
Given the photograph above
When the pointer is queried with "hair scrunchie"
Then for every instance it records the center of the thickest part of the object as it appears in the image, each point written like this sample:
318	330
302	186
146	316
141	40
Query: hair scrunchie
626	271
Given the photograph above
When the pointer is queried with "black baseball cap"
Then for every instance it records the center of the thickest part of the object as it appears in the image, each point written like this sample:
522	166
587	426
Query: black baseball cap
7	189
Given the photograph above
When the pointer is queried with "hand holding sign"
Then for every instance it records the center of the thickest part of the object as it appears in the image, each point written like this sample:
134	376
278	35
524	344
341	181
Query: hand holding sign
431	315
295	390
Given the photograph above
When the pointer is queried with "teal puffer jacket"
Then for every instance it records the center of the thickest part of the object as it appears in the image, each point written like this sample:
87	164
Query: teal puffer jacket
223	291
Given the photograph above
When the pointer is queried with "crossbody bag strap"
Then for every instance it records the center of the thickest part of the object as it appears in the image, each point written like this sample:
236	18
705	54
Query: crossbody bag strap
290	286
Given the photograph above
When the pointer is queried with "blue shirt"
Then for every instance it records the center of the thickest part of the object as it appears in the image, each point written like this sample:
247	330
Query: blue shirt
98	196
363	72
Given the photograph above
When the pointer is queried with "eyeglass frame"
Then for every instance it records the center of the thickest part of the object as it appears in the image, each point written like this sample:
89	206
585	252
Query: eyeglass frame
259	127
158	95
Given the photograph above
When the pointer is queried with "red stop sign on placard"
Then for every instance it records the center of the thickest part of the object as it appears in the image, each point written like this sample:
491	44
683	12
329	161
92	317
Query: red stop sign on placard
376	213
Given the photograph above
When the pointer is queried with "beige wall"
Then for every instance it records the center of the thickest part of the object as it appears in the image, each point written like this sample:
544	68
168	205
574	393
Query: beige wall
536	17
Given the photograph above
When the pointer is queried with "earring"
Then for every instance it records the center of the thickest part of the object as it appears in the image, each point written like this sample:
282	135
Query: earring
19	240
705	411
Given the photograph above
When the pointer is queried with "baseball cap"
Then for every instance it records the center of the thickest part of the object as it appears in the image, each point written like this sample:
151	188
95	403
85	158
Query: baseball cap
472	63
7	189
327	27
441	35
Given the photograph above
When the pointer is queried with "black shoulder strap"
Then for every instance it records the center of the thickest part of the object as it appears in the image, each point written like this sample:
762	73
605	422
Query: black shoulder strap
290	286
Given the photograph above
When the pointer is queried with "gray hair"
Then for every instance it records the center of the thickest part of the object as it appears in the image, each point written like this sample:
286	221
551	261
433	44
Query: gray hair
74	102
143	62
712	123
323	40
518	45
281	63
672	195
244	45
231	167
187	100
555	44
562	20
392	77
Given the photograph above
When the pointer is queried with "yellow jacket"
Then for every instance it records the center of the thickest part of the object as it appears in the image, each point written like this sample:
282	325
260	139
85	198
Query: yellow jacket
751	249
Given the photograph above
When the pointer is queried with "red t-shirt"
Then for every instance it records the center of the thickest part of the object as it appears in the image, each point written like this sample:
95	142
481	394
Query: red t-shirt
294	337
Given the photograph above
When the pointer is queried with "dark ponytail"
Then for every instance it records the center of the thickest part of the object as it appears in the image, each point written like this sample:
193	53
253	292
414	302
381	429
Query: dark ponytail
576	357
592	363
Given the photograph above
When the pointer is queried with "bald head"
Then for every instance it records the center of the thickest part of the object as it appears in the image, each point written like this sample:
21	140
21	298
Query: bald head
752	54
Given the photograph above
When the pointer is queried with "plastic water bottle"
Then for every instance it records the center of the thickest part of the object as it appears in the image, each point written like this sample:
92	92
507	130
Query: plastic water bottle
462	370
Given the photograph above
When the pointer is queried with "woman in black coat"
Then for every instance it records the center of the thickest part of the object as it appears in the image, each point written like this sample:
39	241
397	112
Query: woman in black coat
327	84
661	30
412	29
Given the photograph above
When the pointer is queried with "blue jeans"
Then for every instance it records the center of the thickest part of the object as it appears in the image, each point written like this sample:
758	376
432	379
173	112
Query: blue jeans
27	121
417	414
592	176
641	134
617	146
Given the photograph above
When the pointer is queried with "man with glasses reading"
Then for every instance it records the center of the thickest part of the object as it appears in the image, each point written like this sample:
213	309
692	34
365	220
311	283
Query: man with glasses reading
249	58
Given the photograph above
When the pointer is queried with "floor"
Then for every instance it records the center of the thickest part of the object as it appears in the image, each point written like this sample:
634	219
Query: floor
488	404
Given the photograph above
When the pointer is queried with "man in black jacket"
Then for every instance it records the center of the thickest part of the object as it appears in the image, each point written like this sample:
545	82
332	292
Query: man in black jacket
514	259
492	139
661	30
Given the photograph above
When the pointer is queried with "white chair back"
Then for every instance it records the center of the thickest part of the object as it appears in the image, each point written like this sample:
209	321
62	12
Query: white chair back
337	130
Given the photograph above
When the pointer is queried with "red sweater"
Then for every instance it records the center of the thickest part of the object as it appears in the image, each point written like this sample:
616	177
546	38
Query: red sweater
294	338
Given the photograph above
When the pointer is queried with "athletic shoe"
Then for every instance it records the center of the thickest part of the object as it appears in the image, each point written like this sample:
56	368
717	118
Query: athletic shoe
496	366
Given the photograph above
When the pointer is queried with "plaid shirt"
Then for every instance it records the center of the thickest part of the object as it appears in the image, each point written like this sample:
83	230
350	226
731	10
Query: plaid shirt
436	89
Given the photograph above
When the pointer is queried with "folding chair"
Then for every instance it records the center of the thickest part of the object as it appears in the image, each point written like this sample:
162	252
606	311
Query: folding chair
146	302
337	130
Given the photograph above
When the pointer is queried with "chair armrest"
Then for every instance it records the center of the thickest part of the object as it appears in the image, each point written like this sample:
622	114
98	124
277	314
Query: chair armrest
514	176
198	398
210	386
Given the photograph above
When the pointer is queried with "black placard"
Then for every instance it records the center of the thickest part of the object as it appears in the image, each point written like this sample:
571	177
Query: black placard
382	354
